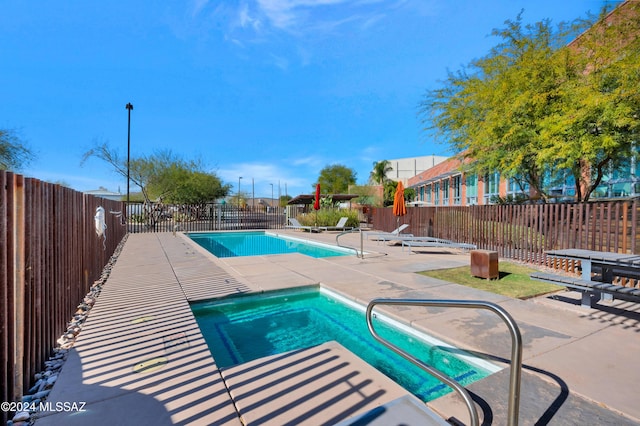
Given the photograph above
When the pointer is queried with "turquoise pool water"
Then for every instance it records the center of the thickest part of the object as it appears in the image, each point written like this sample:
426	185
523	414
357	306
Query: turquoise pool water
242	329
255	243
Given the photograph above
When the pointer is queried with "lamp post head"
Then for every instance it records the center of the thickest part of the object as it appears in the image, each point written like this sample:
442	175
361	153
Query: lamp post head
129	106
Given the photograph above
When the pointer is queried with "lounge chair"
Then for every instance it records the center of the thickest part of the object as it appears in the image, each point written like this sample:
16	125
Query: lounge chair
387	236
340	226
432	242
295	224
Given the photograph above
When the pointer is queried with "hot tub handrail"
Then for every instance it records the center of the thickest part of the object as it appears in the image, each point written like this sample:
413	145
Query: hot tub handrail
516	350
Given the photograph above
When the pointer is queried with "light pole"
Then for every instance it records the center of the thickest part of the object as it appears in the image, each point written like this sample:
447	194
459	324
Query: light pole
271	194
129	108
239	219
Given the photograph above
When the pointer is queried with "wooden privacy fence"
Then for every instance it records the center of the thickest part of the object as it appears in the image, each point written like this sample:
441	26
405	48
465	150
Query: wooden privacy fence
50	255
525	232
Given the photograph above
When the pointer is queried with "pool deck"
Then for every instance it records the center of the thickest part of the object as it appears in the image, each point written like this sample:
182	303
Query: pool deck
141	359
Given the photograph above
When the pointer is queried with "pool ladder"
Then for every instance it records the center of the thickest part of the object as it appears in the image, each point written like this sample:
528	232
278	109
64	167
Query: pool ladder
516	350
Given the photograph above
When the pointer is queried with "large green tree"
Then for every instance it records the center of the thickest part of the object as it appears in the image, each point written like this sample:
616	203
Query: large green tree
176	180
531	106
390	187
14	154
491	110
336	178
165	175
594	127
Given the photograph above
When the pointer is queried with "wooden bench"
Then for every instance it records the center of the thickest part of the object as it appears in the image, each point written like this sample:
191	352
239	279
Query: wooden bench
632	273
590	289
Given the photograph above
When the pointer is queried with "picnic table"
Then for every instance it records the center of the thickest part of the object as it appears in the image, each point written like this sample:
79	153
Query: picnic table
607	265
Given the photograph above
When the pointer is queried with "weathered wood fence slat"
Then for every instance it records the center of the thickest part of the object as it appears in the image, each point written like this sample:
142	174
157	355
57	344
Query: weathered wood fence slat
525	232
50	255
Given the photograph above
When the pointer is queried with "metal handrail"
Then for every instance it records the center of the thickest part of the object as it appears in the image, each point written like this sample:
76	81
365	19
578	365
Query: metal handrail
350	231
516	350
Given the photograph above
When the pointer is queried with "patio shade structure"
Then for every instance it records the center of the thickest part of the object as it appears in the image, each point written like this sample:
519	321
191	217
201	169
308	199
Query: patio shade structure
399	207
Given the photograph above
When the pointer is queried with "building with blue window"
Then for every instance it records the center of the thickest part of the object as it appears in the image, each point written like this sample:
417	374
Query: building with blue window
447	183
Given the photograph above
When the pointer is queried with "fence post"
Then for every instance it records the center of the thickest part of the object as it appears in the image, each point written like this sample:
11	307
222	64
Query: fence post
18	284
625	224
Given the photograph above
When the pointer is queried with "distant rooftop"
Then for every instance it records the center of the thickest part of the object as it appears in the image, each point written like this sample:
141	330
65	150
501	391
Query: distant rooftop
406	168
104	193
308	198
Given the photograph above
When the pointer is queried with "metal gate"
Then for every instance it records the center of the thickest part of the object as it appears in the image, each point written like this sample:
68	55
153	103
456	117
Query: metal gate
160	217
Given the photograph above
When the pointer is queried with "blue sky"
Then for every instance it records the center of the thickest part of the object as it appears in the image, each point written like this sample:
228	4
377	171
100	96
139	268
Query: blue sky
270	90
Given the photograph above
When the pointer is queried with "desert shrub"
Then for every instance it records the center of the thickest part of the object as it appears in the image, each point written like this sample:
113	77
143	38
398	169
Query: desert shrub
329	217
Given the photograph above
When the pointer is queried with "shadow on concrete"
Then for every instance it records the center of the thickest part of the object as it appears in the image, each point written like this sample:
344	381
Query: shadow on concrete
324	384
545	398
141	366
164	394
614	312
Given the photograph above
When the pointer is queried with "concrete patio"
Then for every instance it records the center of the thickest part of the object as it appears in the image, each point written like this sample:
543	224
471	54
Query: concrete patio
141	359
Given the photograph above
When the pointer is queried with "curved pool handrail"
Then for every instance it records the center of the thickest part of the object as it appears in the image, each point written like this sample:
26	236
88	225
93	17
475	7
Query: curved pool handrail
350	231
516	350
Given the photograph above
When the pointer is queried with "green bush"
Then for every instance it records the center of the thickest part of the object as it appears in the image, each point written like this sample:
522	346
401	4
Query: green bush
181	217
138	218
329	217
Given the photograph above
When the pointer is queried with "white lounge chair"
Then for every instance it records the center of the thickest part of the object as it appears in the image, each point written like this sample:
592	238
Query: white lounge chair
433	242
295	224
340	226
387	236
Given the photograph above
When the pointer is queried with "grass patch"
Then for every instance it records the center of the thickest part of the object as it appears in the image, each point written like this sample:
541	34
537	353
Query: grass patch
513	281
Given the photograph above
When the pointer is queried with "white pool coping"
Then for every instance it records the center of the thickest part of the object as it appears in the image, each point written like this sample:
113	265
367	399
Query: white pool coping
429	340
426	338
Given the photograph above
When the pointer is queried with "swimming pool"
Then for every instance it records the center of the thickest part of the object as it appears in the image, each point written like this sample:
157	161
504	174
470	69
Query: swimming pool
242	329
256	243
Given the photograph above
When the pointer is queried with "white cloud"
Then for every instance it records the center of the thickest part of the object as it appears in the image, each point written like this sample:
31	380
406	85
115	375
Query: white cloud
314	16
285	14
267	23
247	20
421	7
311	161
371	152
280	62
198	6
371	21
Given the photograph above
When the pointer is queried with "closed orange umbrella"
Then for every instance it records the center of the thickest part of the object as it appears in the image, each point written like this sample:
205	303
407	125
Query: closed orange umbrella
399	207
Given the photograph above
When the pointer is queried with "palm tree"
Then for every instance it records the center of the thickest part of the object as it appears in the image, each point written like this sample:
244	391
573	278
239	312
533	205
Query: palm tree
380	170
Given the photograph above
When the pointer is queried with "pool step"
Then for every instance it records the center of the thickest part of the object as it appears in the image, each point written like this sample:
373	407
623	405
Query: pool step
405	410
